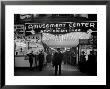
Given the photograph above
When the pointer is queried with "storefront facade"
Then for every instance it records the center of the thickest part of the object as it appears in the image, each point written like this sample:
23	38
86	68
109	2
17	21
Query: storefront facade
42	32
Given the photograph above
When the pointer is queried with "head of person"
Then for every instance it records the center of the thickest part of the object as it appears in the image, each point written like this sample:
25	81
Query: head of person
58	50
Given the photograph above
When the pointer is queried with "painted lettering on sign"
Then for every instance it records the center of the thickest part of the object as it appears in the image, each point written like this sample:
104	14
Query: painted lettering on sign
64	27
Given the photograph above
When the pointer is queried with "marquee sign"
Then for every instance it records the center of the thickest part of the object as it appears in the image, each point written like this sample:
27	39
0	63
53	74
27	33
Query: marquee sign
60	28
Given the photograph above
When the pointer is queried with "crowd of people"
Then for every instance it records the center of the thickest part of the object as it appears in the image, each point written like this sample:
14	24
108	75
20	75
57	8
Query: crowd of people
39	60
87	66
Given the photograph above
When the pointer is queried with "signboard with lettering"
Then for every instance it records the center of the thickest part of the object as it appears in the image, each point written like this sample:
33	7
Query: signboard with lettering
60	28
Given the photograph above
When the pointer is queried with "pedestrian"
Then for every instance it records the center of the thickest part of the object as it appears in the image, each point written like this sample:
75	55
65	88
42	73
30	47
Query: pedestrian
82	63
57	61
30	55
92	63
45	60
36	60
41	60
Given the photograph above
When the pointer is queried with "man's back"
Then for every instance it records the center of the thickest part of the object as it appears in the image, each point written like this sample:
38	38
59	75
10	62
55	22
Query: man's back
30	55
57	58
41	57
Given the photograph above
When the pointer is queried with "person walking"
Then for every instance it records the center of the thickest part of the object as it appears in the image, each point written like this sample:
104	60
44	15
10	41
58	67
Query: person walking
30	55
92	63
57	61
41	60
36	60
82	63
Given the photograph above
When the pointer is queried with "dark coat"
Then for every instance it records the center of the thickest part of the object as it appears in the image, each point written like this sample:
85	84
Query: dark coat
92	59
30	55
82	59
41	58
57	59
92	64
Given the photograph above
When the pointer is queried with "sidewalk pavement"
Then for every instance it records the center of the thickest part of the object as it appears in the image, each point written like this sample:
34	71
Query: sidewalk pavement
67	70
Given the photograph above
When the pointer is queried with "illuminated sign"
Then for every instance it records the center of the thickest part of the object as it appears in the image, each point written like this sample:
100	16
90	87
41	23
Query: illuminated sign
64	27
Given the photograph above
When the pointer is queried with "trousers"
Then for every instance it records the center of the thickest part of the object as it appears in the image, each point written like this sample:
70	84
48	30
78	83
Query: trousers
56	69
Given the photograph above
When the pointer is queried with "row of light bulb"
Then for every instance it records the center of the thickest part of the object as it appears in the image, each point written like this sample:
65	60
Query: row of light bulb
69	36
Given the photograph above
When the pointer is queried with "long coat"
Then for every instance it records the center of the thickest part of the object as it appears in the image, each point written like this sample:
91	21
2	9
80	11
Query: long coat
30	55
57	59
41	58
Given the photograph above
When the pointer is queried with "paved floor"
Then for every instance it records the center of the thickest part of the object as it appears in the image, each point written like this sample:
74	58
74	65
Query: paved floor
67	70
